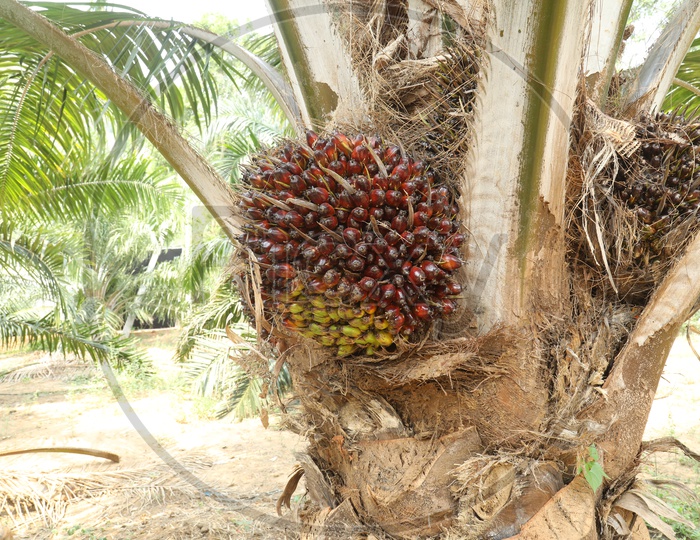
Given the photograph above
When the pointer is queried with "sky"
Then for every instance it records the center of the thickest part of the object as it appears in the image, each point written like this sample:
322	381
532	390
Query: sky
188	11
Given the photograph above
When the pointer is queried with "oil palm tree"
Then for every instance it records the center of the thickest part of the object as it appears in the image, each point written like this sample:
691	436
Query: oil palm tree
503	424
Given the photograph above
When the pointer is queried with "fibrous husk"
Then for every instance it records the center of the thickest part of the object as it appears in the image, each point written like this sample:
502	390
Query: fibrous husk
499	494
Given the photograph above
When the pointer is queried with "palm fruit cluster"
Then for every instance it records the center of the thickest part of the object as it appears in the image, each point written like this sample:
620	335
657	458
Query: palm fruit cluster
357	243
662	182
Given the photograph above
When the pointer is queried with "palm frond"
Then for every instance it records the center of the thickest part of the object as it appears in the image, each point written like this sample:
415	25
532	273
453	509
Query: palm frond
221	309
681	96
78	339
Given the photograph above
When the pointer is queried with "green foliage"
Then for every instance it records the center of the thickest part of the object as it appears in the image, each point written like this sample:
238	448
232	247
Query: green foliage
591	468
689	72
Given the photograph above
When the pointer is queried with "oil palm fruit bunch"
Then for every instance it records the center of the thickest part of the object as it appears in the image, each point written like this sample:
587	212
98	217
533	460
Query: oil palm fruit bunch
661	182
357	243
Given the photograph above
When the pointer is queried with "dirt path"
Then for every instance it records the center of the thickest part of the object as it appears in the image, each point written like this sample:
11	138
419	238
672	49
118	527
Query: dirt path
141	498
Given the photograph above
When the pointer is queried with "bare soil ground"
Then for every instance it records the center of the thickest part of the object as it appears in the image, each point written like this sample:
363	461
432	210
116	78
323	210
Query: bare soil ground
141	498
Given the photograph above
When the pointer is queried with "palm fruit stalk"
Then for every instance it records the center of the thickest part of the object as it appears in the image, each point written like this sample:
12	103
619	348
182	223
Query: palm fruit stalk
357	243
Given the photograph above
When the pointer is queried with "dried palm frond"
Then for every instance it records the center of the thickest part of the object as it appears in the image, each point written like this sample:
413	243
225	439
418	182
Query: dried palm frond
31	497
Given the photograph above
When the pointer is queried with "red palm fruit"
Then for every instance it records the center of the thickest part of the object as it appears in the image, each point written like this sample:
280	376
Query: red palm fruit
359	214
361	182
393	198
397	280
399	223
297	185
277	252
453	288
442	191
408	187
392	155
355	264
418	168
377	197
391	254
351	236
360	198
353	223
342	215
375	294
281	270
444	227
322	264
420	219
321	158
422	311
377	213
357	294
311	220
355	167
456	240
325	244
332	277
316	285
317	195
434	223
416	276
266	244
277	235
408	238
330	151
363	249
311	138
390	213
291	249
341	251
338	167
380	182
430	270
257	181
439	205
345	200
379	246
447	306
255	214
293	218
325	209
367	284
310	253
344	287
449	262
425	207
388	291
274	214
396	323
400	172
281	179
392	237
292	167
434	242
421	233
418	252
361	153
342	143
329	222
374	272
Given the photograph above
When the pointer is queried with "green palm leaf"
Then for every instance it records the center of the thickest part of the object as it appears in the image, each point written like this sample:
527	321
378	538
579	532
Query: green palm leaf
686	96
